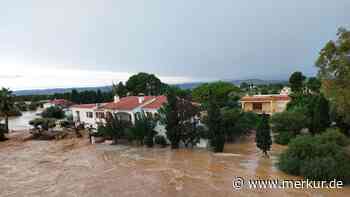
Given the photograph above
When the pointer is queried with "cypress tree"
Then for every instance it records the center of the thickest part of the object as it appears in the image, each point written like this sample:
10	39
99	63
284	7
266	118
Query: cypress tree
263	135
172	119
215	125
320	116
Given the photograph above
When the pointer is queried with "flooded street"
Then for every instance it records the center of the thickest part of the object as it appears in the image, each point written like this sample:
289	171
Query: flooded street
19	123
73	167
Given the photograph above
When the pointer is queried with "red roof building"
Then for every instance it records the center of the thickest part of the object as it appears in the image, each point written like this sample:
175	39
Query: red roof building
129	103
126	108
158	102
58	102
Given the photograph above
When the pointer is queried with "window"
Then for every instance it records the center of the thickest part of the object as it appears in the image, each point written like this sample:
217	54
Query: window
100	115
156	116
137	115
149	114
89	114
257	106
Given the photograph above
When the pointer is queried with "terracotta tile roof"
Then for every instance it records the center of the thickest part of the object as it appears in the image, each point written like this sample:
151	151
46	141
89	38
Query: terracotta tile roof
62	102
157	103
128	103
88	106
267	98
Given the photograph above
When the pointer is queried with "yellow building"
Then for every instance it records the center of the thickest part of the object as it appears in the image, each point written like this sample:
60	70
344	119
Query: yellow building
268	104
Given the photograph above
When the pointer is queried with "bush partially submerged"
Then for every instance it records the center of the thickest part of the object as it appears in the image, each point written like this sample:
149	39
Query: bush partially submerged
66	124
43	123
2	132
161	141
320	157
143	131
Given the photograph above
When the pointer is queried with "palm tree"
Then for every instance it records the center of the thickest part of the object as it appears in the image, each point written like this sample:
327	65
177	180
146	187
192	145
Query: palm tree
6	105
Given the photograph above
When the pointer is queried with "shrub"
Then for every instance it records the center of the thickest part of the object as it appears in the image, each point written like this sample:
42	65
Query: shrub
22	106
334	135
218	143
105	131
149	140
44	123
33	106
320	157
129	134
160	140
328	168
283	137
66	123
53	112
2	132
247	122
287	125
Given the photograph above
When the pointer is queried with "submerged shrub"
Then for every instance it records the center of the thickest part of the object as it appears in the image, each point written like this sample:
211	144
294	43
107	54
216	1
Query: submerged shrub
44	123
160	140
66	123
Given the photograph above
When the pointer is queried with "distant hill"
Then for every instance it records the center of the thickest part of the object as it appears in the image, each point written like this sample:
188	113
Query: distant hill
235	82
189	85
259	81
59	90
109	88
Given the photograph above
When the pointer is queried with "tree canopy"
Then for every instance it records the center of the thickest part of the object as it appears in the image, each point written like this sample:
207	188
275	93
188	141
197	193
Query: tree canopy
224	92
215	124
53	112
179	116
334	71
147	84
119	89
296	81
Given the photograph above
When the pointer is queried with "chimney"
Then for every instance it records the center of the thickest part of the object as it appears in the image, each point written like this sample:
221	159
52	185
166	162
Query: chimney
116	98
141	98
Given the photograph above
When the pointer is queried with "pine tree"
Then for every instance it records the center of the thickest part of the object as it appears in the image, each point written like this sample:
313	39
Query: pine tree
263	135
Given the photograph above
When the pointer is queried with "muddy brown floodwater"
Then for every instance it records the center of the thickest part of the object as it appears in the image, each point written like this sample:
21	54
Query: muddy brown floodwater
72	167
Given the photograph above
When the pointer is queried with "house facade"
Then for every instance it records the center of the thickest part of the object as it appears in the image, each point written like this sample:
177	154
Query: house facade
126	108
268	104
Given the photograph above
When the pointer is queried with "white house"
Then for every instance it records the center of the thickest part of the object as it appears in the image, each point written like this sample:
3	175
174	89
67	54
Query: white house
126	108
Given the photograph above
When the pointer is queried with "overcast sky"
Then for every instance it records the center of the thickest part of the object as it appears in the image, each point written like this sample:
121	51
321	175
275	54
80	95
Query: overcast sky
67	43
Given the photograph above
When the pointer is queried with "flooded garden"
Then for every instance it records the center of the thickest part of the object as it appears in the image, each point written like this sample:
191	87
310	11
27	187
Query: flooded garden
18	123
73	167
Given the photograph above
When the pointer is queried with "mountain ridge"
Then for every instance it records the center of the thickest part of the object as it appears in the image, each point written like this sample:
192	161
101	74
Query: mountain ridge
189	85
